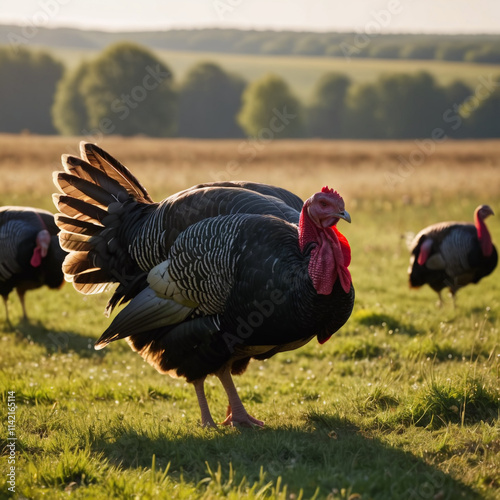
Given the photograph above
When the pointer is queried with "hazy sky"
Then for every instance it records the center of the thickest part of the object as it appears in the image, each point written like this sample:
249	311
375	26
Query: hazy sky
442	16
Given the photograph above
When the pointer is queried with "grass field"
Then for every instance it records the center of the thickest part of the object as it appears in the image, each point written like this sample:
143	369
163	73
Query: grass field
401	403
302	73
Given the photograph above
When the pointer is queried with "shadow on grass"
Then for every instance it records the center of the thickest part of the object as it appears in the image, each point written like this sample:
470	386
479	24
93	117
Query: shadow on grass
328	455
489	314
57	341
374	319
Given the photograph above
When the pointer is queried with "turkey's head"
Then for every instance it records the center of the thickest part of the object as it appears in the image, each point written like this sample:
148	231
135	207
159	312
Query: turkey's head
484	211
331	254
42	247
483	234
326	208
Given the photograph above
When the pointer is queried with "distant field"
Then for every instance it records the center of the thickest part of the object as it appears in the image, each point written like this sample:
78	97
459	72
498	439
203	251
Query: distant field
302	73
365	171
401	403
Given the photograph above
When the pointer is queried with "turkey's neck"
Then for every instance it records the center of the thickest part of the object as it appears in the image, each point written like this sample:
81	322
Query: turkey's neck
43	239
484	236
329	258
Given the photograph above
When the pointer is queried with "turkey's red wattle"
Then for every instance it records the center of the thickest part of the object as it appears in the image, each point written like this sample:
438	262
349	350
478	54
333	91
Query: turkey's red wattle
329	259
36	259
42	246
425	251
484	236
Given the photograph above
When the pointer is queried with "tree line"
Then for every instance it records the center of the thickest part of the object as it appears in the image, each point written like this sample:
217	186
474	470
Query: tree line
127	90
369	42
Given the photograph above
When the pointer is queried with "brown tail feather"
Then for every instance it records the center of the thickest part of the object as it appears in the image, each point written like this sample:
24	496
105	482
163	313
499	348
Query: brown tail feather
113	168
74	242
97	194
83	170
76	226
79	209
83	190
76	263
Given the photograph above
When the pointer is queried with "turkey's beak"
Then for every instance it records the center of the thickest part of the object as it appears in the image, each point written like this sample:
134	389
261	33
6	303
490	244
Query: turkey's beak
344	215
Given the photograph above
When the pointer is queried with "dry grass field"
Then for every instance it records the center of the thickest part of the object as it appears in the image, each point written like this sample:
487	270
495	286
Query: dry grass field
403	402
389	173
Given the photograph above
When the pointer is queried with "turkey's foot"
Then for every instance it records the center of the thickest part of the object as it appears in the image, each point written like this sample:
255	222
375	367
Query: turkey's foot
241	419
208	424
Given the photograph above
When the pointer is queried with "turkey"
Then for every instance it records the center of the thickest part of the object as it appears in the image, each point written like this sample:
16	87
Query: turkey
453	254
212	276
30	255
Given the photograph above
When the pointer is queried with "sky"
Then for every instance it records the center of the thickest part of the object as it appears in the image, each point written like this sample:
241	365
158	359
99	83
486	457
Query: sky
414	16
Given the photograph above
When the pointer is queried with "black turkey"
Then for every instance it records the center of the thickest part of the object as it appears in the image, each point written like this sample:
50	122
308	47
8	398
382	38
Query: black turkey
30	255
453	254
214	275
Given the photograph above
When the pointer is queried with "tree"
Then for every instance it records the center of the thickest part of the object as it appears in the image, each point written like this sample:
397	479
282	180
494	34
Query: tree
27	90
129	91
278	44
126	90
251	42
385	51
481	115
326	116
362	117
69	112
396	106
453	51
309	45
270	110
455	94
209	100
488	53
409	105
418	51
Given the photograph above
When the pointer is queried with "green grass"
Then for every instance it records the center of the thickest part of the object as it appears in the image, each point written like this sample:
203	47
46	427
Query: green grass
401	403
302	73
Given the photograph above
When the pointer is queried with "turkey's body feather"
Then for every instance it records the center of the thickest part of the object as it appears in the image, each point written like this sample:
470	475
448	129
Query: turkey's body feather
239	309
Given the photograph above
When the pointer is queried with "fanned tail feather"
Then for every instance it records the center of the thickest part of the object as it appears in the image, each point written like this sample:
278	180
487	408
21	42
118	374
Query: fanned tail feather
75	226
115	170
96	194
77	263
79	209
74	242
84	190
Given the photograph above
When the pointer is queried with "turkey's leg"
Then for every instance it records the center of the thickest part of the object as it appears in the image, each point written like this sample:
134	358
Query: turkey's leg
206	416
20	294
439	303
452	293
236	411
8	324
